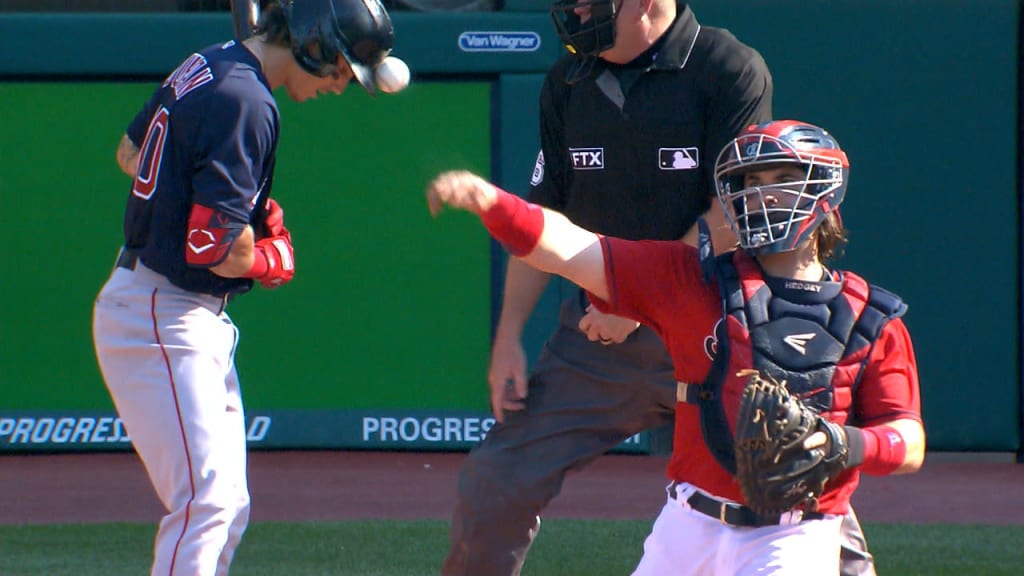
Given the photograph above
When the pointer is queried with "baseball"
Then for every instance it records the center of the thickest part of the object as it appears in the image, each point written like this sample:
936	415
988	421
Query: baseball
392	75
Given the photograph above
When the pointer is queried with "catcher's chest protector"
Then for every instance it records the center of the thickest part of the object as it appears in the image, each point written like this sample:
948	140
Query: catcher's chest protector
815	336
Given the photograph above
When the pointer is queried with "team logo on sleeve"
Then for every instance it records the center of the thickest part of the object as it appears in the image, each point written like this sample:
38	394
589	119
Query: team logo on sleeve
587	158
678	158
538	170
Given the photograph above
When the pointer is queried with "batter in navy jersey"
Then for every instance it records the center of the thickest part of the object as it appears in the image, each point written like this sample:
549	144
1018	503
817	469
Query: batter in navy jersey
199	228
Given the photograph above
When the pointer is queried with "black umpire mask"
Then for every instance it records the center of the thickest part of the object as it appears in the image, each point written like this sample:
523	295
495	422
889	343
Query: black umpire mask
590	38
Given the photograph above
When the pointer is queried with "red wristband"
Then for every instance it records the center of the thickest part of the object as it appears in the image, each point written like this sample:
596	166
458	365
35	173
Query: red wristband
884	450
515	223
260	263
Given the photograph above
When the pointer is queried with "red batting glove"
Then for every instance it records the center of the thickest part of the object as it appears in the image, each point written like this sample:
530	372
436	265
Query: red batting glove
273	262
273	224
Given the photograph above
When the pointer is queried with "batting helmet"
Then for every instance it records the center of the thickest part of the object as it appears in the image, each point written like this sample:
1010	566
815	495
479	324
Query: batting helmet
797	207
321	30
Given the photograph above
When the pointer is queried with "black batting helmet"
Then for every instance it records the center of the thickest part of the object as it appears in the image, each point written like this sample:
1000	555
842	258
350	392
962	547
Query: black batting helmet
321	30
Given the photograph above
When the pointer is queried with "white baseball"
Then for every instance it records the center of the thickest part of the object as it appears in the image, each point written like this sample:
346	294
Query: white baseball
392	75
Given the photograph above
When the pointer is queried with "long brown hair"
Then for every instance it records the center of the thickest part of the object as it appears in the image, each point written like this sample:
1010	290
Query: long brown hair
831	237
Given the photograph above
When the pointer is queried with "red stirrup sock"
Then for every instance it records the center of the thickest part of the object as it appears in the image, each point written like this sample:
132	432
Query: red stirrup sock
515	223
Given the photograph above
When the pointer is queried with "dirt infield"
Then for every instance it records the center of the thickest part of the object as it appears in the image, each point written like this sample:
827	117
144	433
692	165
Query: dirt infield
297	486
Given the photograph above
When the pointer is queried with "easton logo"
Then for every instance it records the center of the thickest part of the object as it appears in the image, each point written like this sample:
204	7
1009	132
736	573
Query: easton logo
499	41
678	158
799	341
587	158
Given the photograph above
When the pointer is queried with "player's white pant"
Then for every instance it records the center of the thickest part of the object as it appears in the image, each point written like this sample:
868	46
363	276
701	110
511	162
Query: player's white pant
167	356
686	542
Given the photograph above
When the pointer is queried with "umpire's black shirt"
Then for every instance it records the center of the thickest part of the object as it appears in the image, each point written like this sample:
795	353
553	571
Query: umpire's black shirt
629	150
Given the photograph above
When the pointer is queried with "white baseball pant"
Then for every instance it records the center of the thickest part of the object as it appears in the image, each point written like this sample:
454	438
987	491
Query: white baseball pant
167	357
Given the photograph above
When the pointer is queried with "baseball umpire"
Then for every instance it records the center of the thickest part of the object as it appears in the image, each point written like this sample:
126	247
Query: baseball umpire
761	474
630	123
200	228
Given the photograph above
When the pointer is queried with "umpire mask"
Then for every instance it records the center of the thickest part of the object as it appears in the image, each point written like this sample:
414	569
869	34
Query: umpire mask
799	206
587	37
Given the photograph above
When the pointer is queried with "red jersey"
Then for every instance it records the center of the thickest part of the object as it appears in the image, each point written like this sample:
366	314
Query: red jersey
661	284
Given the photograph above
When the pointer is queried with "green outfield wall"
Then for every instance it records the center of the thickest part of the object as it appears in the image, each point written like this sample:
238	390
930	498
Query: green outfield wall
382	340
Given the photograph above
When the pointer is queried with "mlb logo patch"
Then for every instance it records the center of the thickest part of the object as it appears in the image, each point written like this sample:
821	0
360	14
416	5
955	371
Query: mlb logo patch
587	158
678	158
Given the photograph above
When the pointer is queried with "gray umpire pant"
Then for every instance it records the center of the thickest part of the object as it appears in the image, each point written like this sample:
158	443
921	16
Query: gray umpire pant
585	399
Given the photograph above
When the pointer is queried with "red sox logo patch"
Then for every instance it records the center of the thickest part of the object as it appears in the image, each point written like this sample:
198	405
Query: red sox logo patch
711	342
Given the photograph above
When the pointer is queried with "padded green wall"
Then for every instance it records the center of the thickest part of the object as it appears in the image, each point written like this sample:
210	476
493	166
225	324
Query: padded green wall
922	95
923	98
385	310
62	197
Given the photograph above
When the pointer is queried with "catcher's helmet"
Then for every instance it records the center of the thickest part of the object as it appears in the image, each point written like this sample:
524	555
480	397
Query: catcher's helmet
588	38
321	30
801	204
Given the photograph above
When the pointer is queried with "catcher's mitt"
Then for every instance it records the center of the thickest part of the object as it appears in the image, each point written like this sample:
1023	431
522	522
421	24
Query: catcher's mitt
775	472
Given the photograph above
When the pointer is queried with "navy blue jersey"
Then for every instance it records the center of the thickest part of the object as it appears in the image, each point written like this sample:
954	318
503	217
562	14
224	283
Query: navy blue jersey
629	151
206	136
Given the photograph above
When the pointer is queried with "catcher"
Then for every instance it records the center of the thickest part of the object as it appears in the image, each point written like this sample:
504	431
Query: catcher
793	377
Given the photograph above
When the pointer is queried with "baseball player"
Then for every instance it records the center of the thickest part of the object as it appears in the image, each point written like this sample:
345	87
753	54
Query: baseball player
199	229
838	340
630	123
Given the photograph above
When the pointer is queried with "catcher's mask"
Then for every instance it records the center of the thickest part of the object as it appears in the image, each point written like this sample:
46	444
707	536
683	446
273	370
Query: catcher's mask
585	38
360	31
797	207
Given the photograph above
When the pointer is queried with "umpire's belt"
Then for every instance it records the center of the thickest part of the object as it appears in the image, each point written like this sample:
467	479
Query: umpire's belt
737	514
127	259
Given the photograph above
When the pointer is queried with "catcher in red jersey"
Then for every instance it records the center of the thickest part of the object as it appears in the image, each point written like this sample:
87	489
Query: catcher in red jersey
793	377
